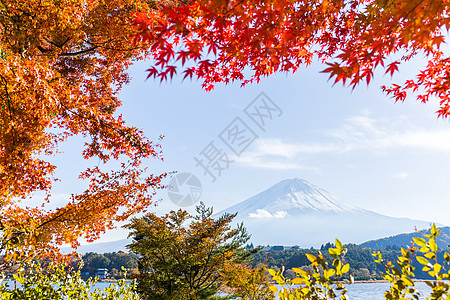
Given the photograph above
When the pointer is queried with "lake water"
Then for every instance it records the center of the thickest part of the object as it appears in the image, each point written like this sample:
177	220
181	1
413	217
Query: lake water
357	291
375	291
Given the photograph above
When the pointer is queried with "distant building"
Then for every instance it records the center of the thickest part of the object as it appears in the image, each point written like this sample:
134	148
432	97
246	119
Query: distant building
101	273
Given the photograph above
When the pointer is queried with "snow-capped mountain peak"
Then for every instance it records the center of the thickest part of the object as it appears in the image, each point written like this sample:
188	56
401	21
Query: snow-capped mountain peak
290	197
296	212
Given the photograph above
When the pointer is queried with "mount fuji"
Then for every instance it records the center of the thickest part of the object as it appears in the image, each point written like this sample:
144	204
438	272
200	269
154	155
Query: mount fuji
296	212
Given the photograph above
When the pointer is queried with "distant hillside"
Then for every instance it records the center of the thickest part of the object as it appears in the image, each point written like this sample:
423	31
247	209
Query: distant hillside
404	239
114	246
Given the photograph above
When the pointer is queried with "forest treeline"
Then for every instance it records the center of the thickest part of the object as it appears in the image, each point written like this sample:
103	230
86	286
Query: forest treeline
113	261
362	262
405	239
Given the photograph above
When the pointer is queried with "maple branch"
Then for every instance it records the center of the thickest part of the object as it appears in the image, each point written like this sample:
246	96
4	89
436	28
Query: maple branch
8	103
414	8
83	199
103	46
60	46
79	52
123	49
94	47
42	49
17	234
206	264
57	45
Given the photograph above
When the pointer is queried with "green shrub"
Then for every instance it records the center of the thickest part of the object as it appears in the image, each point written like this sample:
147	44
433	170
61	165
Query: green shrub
324	282
54	282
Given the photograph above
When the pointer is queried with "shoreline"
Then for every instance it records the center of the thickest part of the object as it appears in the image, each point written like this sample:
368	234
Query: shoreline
372	281
385	281
114	280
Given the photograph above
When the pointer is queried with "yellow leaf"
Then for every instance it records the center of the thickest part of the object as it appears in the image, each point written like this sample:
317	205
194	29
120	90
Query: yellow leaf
422	260
298	271
330	273
433	245
419	241
345	268
297	280
273	288
305	290
311	257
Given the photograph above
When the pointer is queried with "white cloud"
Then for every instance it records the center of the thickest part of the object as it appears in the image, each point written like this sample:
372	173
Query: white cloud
366	133
262	213
280	214
358	133
277	147
436	140
401	175
260	160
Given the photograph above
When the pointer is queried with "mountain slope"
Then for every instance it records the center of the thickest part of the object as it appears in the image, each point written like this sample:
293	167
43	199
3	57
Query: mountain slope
295	212
405	239
114	246
296	195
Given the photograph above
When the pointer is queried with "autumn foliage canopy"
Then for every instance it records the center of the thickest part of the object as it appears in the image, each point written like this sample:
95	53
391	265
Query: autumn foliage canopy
244	40
62	64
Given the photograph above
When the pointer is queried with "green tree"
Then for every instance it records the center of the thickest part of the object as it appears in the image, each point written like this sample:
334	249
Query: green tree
121	259
182	256
112	260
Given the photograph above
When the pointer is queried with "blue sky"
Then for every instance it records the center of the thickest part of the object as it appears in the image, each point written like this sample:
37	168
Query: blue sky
392	158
